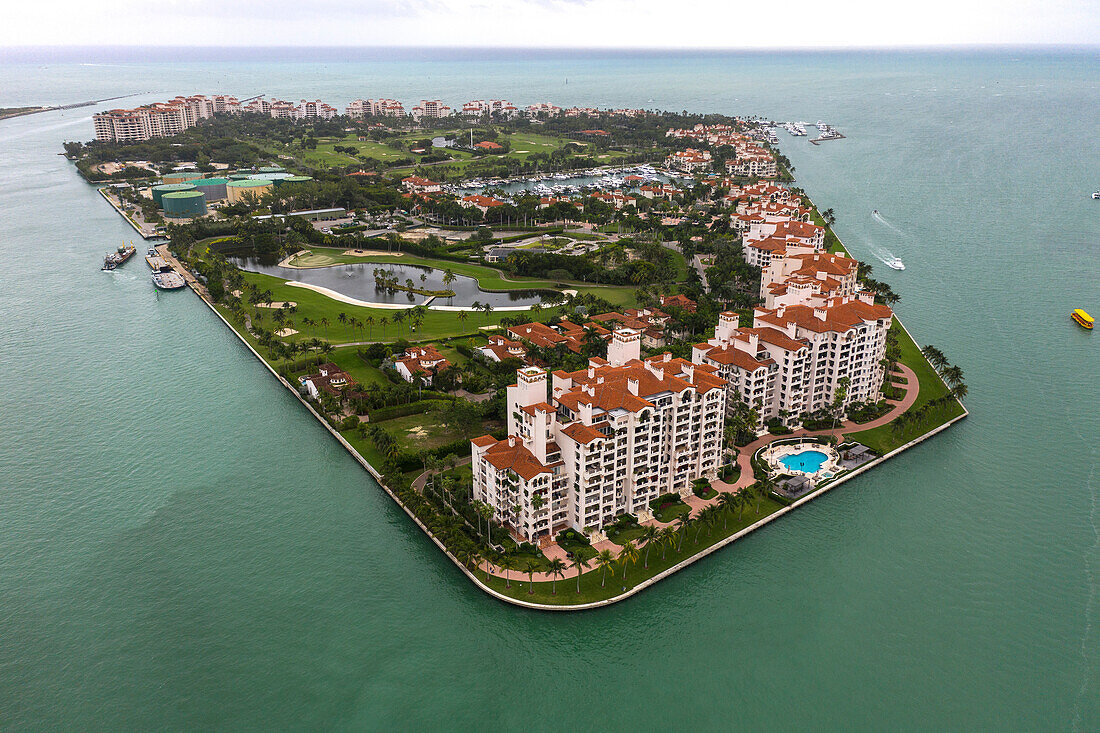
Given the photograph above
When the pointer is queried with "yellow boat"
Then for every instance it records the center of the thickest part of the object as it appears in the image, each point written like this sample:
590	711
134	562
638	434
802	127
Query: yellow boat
1084	320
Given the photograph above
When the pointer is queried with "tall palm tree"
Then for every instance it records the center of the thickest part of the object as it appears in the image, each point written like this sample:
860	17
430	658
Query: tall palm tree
667	538
530	569
579	564
953	375
324	325
683	522
557	569
649	535
369	320
462	316
727	501
506	563
763	488
604	560
382	323
629	554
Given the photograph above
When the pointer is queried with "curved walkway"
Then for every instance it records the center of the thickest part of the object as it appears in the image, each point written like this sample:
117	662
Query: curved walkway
746	478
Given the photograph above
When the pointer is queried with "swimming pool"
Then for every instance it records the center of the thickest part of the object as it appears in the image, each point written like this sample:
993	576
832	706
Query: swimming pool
808	461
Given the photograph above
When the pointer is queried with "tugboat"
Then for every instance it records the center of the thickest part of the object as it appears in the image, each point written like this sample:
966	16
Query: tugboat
118	257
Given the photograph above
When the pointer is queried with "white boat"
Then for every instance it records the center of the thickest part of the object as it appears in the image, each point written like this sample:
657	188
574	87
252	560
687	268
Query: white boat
168	279
1096	194
894	263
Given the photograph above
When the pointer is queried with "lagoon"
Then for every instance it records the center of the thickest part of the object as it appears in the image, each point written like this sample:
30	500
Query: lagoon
358	281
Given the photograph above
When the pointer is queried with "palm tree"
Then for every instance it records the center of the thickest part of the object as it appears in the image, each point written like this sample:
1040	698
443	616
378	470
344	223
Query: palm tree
462	316
324	324
604	560
953	375
506	563
763	488
382	323
488	308
727	502
342	317
557	569
668	535
579	564
369	320
629	554
649	535
530	569
935	357
682	523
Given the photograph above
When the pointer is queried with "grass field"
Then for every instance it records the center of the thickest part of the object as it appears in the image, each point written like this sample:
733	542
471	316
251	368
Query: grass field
884	439
426	430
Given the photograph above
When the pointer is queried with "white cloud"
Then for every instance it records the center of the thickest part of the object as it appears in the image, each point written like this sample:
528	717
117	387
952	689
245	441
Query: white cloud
549	23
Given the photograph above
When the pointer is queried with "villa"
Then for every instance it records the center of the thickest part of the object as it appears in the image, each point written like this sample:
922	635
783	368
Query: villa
422	361
416	184
329	378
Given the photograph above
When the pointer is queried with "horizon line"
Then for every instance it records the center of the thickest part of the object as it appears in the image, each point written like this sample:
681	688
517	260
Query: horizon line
869	47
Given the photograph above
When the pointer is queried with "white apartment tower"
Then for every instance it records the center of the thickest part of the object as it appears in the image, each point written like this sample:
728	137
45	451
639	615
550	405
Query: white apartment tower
607	440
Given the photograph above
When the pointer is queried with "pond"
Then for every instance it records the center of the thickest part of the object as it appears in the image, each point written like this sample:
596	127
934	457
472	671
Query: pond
358	281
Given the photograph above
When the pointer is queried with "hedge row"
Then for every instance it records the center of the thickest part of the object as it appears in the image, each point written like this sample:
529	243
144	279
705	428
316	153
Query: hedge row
379	414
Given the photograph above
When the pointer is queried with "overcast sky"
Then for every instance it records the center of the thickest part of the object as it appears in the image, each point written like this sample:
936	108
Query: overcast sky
550	23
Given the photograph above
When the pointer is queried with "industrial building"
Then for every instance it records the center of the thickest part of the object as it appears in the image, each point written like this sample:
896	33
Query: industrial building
184	204
237	190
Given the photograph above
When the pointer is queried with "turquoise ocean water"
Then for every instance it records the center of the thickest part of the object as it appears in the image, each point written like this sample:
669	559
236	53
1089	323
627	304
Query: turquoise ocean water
183	547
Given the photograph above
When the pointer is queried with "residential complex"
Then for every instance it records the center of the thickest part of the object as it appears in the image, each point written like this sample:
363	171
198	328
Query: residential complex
605	441
375	108
794	358
160	119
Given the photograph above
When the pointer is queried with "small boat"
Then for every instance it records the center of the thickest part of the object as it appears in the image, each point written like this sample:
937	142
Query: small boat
118	257
874	212
894	263
1082	319
1096	194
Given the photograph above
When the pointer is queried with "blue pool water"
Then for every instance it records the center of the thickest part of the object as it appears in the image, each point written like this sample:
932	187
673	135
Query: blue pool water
808	461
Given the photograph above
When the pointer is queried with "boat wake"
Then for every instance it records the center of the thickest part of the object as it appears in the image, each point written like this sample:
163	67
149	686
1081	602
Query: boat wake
882	220
886	257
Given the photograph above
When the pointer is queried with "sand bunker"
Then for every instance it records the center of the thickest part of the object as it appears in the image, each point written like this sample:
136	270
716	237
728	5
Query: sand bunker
278	304
284	332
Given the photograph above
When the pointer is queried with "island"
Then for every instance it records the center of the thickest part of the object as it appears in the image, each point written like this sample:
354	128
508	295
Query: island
580	348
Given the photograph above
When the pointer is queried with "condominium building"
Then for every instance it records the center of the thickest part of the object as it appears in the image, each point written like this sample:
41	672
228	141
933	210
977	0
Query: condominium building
317	110
431	108
160	119
793	358
605	441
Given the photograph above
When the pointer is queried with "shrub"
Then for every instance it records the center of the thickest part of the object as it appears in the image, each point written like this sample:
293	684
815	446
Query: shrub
660	502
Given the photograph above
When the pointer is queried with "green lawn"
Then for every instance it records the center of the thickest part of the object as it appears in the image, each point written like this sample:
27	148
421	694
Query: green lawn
884	439
347	358
426	430
630	534
670	513
590	582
